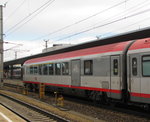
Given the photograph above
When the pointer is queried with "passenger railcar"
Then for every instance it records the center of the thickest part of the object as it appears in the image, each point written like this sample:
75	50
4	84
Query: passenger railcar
116	72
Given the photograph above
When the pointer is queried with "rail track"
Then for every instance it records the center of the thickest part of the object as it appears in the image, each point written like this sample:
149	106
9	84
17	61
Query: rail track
116	112
29	112
12	85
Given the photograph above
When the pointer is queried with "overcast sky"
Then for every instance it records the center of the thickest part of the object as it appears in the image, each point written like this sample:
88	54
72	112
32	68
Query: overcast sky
30	22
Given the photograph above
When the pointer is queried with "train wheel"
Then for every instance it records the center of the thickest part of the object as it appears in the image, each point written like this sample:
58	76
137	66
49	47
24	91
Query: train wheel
98	97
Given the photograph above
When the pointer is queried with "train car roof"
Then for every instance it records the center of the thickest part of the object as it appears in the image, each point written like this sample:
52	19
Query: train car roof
140	44
137	34
116	47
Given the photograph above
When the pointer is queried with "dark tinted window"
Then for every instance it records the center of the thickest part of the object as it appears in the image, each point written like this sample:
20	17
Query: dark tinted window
57	69
35	69
40	69
51	69
134	66
88	67
65	68
31	69
45	69
115	67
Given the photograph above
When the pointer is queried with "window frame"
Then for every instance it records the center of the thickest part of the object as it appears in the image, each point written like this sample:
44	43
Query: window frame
66	70
52	64
91	67
31	70
133	68
114	67
142	64
28	70
35	70
40	69
45	69
56	73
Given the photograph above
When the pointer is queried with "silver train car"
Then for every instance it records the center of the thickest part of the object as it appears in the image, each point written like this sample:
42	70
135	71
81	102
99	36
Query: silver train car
113	72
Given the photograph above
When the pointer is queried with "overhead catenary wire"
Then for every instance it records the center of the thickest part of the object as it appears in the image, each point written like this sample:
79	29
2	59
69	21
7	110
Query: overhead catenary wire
110	19
87	18
127	12
13	12
30	18
114	21
127	26
25	18
134	9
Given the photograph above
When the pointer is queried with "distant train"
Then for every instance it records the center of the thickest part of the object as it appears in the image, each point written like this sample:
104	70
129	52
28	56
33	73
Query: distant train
114	72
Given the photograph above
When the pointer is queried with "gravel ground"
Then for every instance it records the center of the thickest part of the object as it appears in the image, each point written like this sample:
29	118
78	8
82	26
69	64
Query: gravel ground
73	117
92	111
103	114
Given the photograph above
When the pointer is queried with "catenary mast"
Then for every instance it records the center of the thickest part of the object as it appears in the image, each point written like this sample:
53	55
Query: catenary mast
1	44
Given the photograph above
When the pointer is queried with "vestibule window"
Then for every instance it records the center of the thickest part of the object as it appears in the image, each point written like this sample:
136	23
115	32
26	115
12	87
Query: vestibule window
115	66
134	66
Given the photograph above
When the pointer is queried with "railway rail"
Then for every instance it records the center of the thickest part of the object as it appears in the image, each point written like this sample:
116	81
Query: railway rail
29	112
117	112
12	85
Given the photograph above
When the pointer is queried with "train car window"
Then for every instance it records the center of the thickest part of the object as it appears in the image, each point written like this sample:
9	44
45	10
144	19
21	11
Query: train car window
57	69
115	66
45	69
146	66
88	67
40	69
65	68
50	69
31	69
27	70
35	69
134	66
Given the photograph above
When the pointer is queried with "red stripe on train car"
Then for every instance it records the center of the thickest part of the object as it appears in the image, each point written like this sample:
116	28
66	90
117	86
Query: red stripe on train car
140	95
31	82
78	87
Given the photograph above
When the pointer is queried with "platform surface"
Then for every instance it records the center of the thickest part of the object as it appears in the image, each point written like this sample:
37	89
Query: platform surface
14	81
8	116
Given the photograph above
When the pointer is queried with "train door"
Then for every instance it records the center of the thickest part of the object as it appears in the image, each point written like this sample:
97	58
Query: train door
134	77
115	78
145	78
75	72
